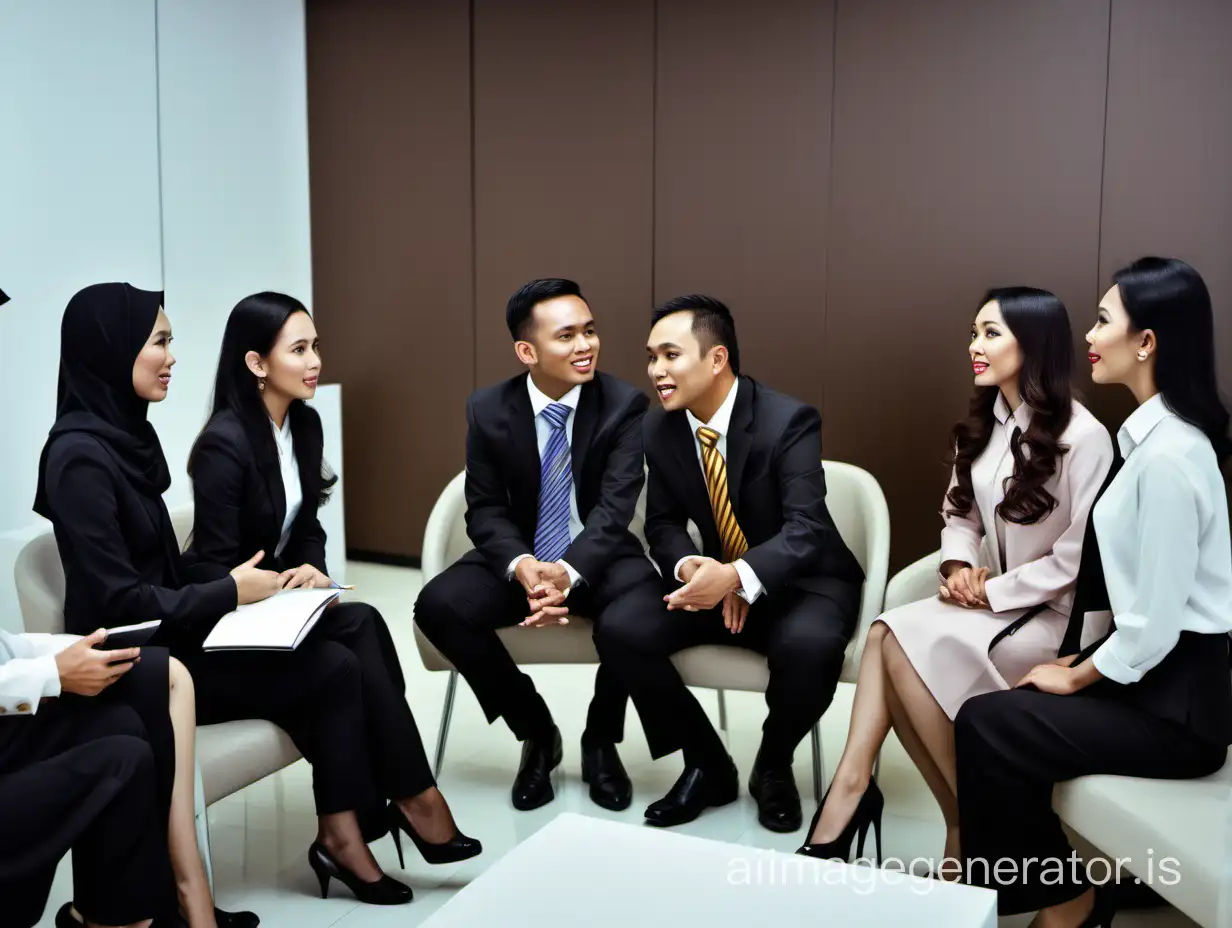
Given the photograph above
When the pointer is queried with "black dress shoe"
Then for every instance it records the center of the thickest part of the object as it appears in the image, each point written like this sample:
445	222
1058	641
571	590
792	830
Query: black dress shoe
778	800
457	848
385	891
696	790
532	787
609	784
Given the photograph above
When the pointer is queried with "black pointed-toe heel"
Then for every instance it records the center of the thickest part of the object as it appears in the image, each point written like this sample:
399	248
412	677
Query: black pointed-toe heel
457	848
385	891
866	815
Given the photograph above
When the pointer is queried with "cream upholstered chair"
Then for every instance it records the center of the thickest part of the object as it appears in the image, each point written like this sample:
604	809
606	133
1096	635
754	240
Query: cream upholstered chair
230	755
1136	819
859	509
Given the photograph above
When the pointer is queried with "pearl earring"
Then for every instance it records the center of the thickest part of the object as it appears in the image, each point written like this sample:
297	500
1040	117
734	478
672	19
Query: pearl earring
1142	355
261	380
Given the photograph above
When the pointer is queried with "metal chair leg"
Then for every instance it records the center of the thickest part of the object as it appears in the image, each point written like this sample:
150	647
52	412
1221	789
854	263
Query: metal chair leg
819	766
722	711
877	764
446	716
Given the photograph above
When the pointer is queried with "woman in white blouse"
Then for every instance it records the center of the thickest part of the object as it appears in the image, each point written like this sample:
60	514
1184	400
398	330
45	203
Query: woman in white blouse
1028	463
1152	697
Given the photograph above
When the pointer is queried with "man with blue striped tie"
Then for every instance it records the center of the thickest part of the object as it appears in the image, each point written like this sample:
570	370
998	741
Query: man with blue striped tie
553	473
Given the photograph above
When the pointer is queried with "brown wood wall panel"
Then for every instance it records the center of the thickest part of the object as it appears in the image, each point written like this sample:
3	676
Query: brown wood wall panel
389	133
967	154
742	150
564	123
1168	159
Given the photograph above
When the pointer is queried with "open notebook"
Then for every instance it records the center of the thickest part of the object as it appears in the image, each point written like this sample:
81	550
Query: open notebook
279	623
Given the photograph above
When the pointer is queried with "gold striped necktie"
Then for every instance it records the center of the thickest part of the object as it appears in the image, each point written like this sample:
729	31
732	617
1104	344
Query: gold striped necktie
734	544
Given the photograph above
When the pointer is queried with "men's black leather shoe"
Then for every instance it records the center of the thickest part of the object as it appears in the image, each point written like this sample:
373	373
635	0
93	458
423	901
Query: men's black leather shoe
609	783
697	789
532	787
778	800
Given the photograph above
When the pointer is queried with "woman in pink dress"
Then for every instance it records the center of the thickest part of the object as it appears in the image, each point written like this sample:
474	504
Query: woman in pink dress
1028	464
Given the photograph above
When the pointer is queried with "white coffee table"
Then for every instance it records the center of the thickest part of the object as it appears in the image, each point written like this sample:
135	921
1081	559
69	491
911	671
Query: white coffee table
579	870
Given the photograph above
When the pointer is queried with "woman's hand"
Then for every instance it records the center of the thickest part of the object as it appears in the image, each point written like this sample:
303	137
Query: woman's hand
1060	678
306	577
964	585
253	584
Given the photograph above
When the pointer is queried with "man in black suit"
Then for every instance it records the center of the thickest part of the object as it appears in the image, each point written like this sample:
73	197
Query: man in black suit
743	463
554	469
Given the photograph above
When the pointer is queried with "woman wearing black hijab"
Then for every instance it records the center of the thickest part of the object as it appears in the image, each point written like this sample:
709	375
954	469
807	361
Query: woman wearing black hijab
101	480
101	484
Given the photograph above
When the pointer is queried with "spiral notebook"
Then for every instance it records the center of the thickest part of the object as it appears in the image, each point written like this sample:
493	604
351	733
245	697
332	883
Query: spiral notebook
279	623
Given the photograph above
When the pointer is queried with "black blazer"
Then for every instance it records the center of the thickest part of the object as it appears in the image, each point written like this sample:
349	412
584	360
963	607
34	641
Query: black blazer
240	502
121	560
776	485
502	473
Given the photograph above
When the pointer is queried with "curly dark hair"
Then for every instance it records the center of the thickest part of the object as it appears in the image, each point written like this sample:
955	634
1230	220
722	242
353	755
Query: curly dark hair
1039	322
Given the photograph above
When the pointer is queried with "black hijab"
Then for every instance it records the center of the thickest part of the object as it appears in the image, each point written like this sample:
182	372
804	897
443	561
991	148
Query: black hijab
105	326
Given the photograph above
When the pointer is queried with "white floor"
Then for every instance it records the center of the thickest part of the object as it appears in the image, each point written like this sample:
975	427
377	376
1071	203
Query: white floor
261	835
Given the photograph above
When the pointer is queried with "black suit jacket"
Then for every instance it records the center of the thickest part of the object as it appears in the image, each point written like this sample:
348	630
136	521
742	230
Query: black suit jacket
240	502
776	485
502	473
121	561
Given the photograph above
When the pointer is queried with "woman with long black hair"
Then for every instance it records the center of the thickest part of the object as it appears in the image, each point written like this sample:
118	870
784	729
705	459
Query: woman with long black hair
1028	463
1152	697
259	476
101	479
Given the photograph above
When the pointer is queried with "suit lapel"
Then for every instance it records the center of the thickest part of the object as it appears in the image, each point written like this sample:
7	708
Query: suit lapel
522	441
585	419
739	440
277	496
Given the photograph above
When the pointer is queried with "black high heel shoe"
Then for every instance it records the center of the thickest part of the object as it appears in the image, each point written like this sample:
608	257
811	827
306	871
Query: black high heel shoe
868	812
385	891
1102	911
459	847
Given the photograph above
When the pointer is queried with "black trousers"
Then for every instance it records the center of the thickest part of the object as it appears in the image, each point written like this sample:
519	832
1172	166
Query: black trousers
94	776
802	634
1014	746
460	611
340	695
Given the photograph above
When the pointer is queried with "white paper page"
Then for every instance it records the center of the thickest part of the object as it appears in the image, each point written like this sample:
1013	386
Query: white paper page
277	622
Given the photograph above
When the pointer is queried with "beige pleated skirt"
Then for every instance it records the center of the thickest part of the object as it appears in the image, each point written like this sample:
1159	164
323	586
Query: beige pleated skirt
948	647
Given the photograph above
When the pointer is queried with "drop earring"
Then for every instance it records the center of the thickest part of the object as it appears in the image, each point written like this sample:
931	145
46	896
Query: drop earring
261	382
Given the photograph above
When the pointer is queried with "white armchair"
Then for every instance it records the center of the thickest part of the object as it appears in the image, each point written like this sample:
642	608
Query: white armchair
859	510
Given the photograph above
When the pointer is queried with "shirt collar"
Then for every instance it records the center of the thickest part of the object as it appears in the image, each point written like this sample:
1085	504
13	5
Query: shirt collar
1141	421
721	420
283	433
539	401
1020	417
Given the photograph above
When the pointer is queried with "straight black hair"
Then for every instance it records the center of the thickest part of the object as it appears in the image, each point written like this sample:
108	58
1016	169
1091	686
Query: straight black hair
712	323
1039	322
254	325
1170	298
521	306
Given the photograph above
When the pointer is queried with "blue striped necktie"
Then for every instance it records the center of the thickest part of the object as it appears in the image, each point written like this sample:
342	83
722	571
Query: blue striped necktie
555	488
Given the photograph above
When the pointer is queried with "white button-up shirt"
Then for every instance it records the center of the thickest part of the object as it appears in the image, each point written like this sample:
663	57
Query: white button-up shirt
720	422
28	670
289	468
1163	536
539	401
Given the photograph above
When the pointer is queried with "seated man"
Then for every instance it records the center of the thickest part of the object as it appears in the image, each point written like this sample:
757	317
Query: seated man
743	463
553	472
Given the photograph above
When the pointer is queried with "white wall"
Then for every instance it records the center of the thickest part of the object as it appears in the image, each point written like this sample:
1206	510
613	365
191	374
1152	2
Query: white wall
162	142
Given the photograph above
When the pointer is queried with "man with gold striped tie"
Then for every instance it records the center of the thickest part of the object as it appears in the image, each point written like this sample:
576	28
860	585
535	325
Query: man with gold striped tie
743	463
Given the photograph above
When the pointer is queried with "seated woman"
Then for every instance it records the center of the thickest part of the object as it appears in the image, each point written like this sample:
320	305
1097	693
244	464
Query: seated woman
1028	464
100	452
258	478
1153	697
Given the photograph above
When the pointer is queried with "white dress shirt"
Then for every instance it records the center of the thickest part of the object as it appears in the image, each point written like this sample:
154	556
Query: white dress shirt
28	670
539	401
289	467
720	422
1163	536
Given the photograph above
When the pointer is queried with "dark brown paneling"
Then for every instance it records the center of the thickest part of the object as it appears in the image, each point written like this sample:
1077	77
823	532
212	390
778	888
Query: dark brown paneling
1168	159
967	154
742	150
563	166
389	132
